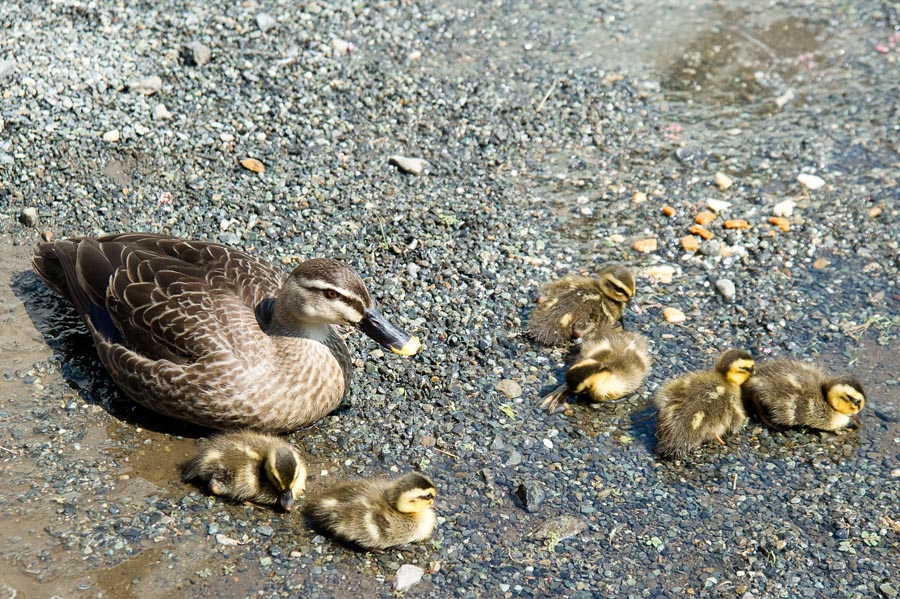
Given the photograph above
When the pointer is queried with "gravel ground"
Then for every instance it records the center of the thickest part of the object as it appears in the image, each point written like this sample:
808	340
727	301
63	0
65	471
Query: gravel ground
555	133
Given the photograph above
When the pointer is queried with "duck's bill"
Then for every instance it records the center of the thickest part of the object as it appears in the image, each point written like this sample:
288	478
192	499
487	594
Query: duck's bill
286	500
633	305
378	328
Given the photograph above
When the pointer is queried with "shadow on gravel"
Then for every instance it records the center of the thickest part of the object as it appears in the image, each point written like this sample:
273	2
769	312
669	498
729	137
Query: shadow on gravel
65	334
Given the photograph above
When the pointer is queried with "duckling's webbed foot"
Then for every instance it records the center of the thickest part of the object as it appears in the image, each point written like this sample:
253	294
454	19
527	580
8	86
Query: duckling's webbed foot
719	439
555	401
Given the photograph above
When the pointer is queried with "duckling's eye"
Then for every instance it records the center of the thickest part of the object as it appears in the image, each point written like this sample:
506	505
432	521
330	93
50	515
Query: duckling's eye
331	294
427	496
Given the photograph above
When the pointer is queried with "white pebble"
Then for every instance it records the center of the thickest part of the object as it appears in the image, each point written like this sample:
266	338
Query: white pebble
407	577
112	135
662	273
810	181
161	113
147	86
265	22
340	47
784	208
548	443
726	288
413	166
718	205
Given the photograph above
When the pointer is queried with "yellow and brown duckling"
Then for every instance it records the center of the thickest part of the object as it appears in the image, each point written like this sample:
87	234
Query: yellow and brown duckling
250	467
702	406
375	513
786	393
574	306
612	363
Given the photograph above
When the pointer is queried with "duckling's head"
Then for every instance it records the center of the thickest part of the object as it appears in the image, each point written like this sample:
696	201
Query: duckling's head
286	471
412	493
736	365
845	394
324	291
617	283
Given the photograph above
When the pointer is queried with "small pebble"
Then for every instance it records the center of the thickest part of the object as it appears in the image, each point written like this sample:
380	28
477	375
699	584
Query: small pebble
781	222
821	264
341	47
674	315
810	181
663	273
407	577
196	54
875	211
161	113
29	217
616	238
784	208
723	181
718	205
146	86
639	197
700	231
645	246
7	68
737	223
412	166
668	210
510	388
726	288
530	494
254	165
704	218
111	136
265	22
690	243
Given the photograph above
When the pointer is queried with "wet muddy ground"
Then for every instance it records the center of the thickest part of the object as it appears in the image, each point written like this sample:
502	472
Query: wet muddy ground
541	120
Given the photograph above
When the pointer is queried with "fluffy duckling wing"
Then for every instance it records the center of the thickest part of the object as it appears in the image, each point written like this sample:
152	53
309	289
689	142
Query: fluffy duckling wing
693	410
569	308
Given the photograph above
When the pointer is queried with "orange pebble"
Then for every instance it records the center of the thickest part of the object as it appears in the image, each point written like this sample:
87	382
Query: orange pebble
668	210
690	243
704	218
737	223
698	230
645	245
781	222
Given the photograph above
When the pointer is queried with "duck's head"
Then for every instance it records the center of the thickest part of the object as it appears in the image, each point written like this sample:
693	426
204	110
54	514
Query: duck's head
325	291
736	365
617	283
845	394
286	471
412	493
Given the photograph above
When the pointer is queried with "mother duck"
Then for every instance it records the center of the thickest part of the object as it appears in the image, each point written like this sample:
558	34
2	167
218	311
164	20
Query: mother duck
206	333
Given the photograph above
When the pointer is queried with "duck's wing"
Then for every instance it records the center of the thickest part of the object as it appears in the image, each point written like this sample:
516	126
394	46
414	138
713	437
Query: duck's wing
162	297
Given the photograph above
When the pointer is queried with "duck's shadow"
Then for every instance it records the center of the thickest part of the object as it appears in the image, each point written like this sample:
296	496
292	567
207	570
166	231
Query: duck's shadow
68	338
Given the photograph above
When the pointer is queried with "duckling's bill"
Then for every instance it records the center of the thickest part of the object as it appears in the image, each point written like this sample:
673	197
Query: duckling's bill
633	306
378	328
286	500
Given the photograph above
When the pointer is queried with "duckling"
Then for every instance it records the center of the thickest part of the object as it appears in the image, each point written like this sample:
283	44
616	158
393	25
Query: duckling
375	513
611	364
250	467
786	393
574	306
701	406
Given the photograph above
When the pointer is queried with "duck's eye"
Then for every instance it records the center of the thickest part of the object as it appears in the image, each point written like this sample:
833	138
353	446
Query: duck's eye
331	294
428	496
